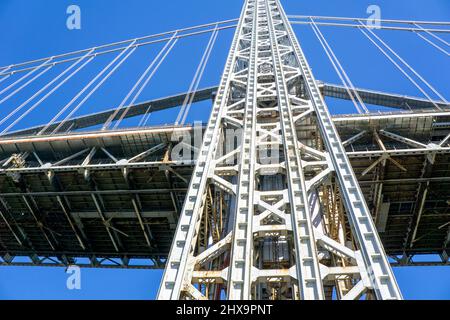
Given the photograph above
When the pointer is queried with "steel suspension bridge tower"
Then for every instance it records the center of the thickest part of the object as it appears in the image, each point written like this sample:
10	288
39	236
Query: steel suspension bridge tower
273	198
274	210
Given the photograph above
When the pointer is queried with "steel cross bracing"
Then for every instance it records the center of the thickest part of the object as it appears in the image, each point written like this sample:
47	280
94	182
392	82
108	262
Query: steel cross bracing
281	200
372	253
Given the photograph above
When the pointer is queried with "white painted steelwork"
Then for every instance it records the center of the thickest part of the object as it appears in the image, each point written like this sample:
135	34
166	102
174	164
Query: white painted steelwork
273	186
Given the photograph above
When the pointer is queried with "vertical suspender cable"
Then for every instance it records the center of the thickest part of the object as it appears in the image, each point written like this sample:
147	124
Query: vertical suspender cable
106	48
4	78
145	118
47	68
166	50
93	90
29	74
199	78
45	87
432	34
191	86
338	72
113	116
347	80
401	70
2	75
195	81
406	64
5	69
432	43
125	112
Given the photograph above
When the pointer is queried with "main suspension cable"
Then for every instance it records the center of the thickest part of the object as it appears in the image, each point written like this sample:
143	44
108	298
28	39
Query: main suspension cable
395	21
349	25
347	82
223	25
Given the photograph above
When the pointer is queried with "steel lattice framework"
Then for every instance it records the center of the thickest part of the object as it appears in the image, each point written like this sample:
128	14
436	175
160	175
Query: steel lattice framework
280	245
273	198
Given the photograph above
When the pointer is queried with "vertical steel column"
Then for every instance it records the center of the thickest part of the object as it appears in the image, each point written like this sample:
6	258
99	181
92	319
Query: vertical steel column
375	259
307	265
239	281
177	265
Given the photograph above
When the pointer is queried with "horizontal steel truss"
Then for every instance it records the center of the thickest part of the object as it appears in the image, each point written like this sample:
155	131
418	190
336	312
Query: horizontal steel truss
157	262
79	164
79	161
12	167
430	151
91	261
328	90
261	93
78	158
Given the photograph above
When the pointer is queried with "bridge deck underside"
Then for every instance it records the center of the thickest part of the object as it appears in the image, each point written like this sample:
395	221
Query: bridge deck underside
35	225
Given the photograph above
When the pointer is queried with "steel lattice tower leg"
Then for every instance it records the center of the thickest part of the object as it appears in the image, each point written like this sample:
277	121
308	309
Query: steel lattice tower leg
273	210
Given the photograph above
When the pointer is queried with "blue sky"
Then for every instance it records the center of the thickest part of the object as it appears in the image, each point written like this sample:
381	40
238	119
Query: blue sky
35	29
